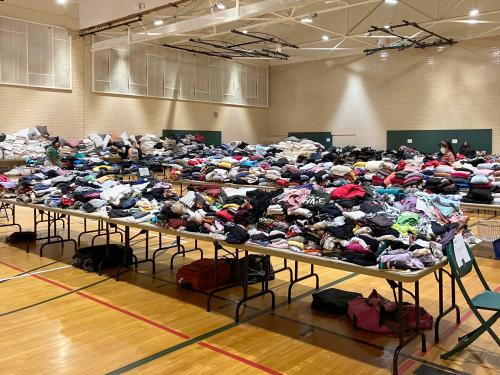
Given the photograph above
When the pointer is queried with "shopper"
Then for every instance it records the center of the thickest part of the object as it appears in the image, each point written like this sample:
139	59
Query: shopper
448	155
52	155
467	150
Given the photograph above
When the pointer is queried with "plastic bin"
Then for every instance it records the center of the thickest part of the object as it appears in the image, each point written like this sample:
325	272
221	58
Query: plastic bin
496	248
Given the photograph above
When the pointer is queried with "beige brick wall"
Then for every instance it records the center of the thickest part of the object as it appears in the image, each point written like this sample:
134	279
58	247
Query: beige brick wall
118	113
76	113
359	98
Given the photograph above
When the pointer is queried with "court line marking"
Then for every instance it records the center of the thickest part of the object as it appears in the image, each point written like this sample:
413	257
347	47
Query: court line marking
54	298
131	314
360	341
198	340
37	268
33	273
407	364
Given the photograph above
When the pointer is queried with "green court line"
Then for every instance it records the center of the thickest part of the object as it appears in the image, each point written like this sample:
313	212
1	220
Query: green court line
36	269
367	343
222	329
29	271
55	298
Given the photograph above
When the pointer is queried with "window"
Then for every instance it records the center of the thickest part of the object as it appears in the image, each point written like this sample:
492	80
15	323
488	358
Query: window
33	54
148	70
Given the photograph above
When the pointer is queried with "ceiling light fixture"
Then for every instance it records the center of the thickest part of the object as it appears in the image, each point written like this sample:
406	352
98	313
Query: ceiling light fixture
158	22
391	2
474	12
245	31
61	2
219	5
325	38
387	27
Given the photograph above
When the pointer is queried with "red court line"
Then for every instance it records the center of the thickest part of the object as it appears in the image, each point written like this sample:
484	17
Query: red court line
134	315
405	366
151	322
38	277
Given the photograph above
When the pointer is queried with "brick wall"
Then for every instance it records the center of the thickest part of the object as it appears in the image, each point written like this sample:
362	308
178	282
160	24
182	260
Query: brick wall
76	113
359	98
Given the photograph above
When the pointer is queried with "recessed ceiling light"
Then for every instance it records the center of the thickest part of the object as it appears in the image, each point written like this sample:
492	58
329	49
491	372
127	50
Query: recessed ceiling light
220	6
474	12
158	22
391	2
325	38
61	2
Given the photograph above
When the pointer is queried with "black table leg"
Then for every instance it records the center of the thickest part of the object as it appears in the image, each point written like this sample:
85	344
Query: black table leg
298	279
453	307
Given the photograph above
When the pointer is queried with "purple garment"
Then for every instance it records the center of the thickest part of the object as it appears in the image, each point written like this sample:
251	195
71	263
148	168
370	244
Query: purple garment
406	258
447	238
410	203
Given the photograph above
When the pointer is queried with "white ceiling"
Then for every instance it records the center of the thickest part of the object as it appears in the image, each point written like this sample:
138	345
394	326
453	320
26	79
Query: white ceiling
344	22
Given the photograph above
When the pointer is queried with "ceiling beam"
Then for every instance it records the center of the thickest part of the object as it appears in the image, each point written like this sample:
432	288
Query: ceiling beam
291	18
205	21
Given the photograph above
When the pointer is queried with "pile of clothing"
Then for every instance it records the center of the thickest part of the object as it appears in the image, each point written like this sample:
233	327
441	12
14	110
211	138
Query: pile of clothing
23	144
391	228
91	192
318	208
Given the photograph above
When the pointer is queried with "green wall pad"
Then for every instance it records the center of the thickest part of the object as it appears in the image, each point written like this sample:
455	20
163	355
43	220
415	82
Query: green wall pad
212	137
428	140
325	138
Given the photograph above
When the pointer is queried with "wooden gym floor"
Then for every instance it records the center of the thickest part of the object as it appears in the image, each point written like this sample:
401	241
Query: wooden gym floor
62	320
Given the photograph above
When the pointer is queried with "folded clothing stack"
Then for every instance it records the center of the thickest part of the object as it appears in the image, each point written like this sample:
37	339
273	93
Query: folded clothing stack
23	144
461	178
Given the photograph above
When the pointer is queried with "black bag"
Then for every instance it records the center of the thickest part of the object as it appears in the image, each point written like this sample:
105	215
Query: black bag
21	237
97	258
333	300
256	269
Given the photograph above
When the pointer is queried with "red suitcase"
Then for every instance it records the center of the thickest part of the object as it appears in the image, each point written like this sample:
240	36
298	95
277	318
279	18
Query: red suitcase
199	275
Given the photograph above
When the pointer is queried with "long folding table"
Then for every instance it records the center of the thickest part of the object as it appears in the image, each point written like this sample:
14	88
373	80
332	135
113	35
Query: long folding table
481	206
397	279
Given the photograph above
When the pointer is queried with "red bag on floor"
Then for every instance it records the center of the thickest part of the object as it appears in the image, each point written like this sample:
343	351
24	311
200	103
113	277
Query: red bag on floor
200	274
367	313
378	314
410	317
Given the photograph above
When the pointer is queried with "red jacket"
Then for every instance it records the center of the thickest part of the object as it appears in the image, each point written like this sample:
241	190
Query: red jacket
348	191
